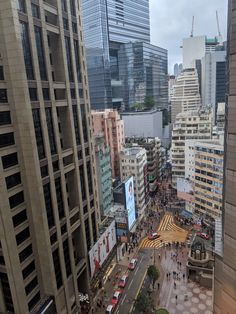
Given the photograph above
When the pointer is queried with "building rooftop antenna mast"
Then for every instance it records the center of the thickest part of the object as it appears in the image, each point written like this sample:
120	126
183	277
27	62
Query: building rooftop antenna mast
218	27
191	35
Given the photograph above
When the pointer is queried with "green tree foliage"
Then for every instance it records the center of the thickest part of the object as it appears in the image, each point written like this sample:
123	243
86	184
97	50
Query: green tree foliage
143	302
137	106
153	274
149	102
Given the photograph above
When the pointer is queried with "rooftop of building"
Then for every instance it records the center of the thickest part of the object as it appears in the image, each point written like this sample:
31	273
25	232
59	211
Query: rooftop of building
140	112
133	151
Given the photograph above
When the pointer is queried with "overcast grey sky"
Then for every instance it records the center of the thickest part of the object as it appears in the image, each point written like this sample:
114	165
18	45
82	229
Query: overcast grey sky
171	21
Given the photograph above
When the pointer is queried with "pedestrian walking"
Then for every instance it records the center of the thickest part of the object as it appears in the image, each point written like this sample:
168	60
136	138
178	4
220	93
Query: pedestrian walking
183	276
176	298
158	286
174	285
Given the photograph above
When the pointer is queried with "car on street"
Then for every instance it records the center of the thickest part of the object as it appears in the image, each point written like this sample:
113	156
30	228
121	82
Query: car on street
133	264
153	236
203	235
116	297
123	281
110	309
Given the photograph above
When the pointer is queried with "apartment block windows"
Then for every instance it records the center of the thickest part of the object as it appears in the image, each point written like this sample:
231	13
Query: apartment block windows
19	218
38	133
27	51
40	50
76	124
69	60
63	5
77	60
57	268
90	181
48	205
51	134
72	7
22	236
35	10
21	5
13	180
82	182
24	254
60	203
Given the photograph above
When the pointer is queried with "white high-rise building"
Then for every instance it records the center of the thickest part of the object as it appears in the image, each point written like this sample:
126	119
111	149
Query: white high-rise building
194	48
133	162
213	78
188	126
185	95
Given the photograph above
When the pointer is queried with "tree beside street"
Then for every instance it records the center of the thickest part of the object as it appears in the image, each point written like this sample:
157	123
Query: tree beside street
149	102
153	274
143	302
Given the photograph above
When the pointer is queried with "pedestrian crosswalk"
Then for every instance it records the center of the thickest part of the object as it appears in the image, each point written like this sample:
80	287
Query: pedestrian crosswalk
169	232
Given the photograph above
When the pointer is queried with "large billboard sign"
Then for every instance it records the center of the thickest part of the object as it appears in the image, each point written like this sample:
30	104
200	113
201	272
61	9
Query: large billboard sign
100	251
185	190
129	201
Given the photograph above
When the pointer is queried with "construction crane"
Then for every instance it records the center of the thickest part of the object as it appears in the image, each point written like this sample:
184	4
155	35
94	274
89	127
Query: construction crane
191	35
218	27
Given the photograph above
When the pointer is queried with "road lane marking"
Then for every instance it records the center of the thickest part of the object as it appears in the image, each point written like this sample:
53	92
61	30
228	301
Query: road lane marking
130	283
136	270
139	288
123	299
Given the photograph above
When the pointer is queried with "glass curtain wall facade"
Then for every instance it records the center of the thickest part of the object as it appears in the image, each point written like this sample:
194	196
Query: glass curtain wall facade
128	20
95	25
143	71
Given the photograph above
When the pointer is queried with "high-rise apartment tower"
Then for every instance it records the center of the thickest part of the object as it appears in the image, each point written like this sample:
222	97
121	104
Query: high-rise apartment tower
48	214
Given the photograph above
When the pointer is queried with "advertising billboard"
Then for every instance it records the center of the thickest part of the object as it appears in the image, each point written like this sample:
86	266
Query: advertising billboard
100	251
129	201
185	190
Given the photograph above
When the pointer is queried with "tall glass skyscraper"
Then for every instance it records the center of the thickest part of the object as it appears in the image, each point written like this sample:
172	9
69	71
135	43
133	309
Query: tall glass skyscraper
118	32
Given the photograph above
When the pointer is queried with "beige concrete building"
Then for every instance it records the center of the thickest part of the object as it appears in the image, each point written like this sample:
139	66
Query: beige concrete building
110	125
225	261
133	162
185	96
48	208
188	126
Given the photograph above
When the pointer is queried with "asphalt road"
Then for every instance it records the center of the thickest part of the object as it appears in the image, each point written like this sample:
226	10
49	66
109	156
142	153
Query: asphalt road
134	283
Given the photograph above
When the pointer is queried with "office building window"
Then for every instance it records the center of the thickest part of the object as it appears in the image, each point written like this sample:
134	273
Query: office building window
65	24
27	51
31	285
72	7
77	60
9	160
74	27
22	236
67	257
87	234
13	180
84	122
35	10
28	270
19	218
76	123
46	94
60	203
48	205
57	268
34	301
55	165
6	291
1	73
33	94
82	182
38	133
7	139
21	6
44	171
3	96
94	227
24	254
63	5
51	134
69	60
90	180
16	199
40	50
5	117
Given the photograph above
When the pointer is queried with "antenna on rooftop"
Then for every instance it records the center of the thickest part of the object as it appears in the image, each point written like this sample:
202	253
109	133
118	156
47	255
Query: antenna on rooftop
218	27
191	35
